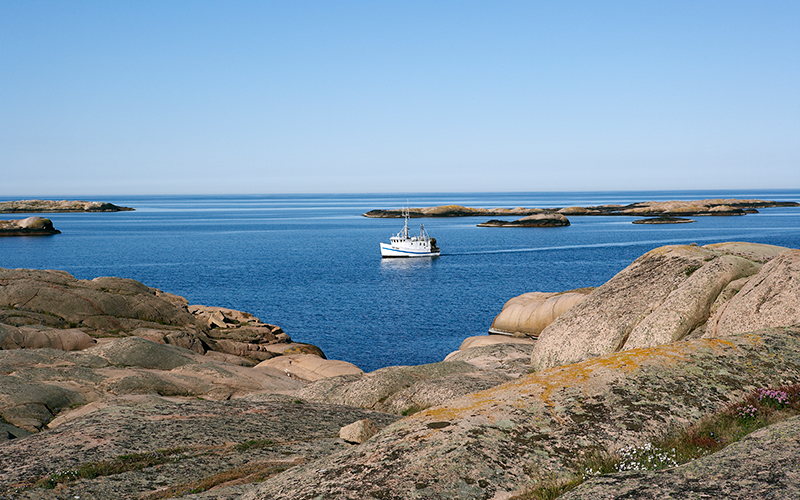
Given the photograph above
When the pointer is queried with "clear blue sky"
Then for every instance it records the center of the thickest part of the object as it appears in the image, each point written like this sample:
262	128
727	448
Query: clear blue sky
170	97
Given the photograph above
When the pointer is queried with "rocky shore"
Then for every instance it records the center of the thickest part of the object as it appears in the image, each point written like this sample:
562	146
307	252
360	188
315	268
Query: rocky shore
32	226
111	388
53	206
717	207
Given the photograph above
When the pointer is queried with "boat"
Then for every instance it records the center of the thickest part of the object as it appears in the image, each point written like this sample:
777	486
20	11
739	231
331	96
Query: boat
404	245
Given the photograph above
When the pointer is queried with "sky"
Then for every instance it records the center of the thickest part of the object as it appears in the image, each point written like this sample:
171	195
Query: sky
263	97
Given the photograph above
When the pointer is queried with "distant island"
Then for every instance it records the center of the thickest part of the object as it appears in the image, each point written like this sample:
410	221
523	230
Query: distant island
53	206
718	207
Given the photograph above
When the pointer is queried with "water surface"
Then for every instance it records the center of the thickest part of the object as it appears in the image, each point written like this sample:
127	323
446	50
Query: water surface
311	263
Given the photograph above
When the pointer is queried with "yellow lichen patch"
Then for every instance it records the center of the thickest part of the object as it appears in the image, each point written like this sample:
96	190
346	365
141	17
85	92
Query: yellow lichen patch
541	386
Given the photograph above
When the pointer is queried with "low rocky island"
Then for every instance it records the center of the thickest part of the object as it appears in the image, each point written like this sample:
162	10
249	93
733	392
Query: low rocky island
54	206
664	220
730	206
32	226
536	220
111	388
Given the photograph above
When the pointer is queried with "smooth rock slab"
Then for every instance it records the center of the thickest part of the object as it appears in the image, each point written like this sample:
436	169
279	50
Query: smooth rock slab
309	367
663	296
530	313
275	431
770	298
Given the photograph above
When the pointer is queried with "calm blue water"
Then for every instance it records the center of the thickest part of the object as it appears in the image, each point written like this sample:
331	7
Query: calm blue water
311	263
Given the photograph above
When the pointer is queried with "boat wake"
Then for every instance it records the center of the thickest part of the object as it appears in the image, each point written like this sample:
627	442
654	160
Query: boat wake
600	245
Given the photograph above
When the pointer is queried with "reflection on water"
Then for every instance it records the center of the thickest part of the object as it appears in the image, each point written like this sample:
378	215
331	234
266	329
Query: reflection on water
396	264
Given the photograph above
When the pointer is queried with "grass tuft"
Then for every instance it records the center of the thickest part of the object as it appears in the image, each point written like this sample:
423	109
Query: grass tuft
122	463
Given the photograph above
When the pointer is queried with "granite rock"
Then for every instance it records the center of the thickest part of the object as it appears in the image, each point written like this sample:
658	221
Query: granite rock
487	445
530	313
403	389
770	298
663	296
764	464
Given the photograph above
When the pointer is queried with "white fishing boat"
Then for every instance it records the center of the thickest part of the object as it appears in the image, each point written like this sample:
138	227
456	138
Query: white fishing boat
404	245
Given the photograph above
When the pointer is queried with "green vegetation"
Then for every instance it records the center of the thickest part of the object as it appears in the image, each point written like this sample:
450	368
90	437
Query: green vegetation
250	473
689	270
253	443
761	408
123	463
412	410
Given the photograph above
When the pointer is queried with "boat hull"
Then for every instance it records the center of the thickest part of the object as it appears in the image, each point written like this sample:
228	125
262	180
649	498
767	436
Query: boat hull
389	251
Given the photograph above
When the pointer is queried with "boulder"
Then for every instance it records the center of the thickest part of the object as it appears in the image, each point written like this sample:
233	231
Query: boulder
770	298
358	432
530	313
661	297
309	367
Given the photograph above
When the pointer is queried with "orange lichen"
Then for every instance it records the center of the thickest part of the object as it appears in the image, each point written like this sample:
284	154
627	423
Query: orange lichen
542	385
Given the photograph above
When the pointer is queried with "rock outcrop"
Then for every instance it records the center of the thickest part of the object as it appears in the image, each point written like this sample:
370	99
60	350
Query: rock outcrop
40	384
32	226
664	296
528	314
150	446
488	444
36	304
770	298
53	206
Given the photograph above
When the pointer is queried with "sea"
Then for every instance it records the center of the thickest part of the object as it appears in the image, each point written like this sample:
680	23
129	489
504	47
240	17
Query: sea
311	264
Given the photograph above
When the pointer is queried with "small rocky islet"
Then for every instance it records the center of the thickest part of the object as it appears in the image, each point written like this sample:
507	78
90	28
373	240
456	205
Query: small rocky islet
31	226
657	212
112	388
